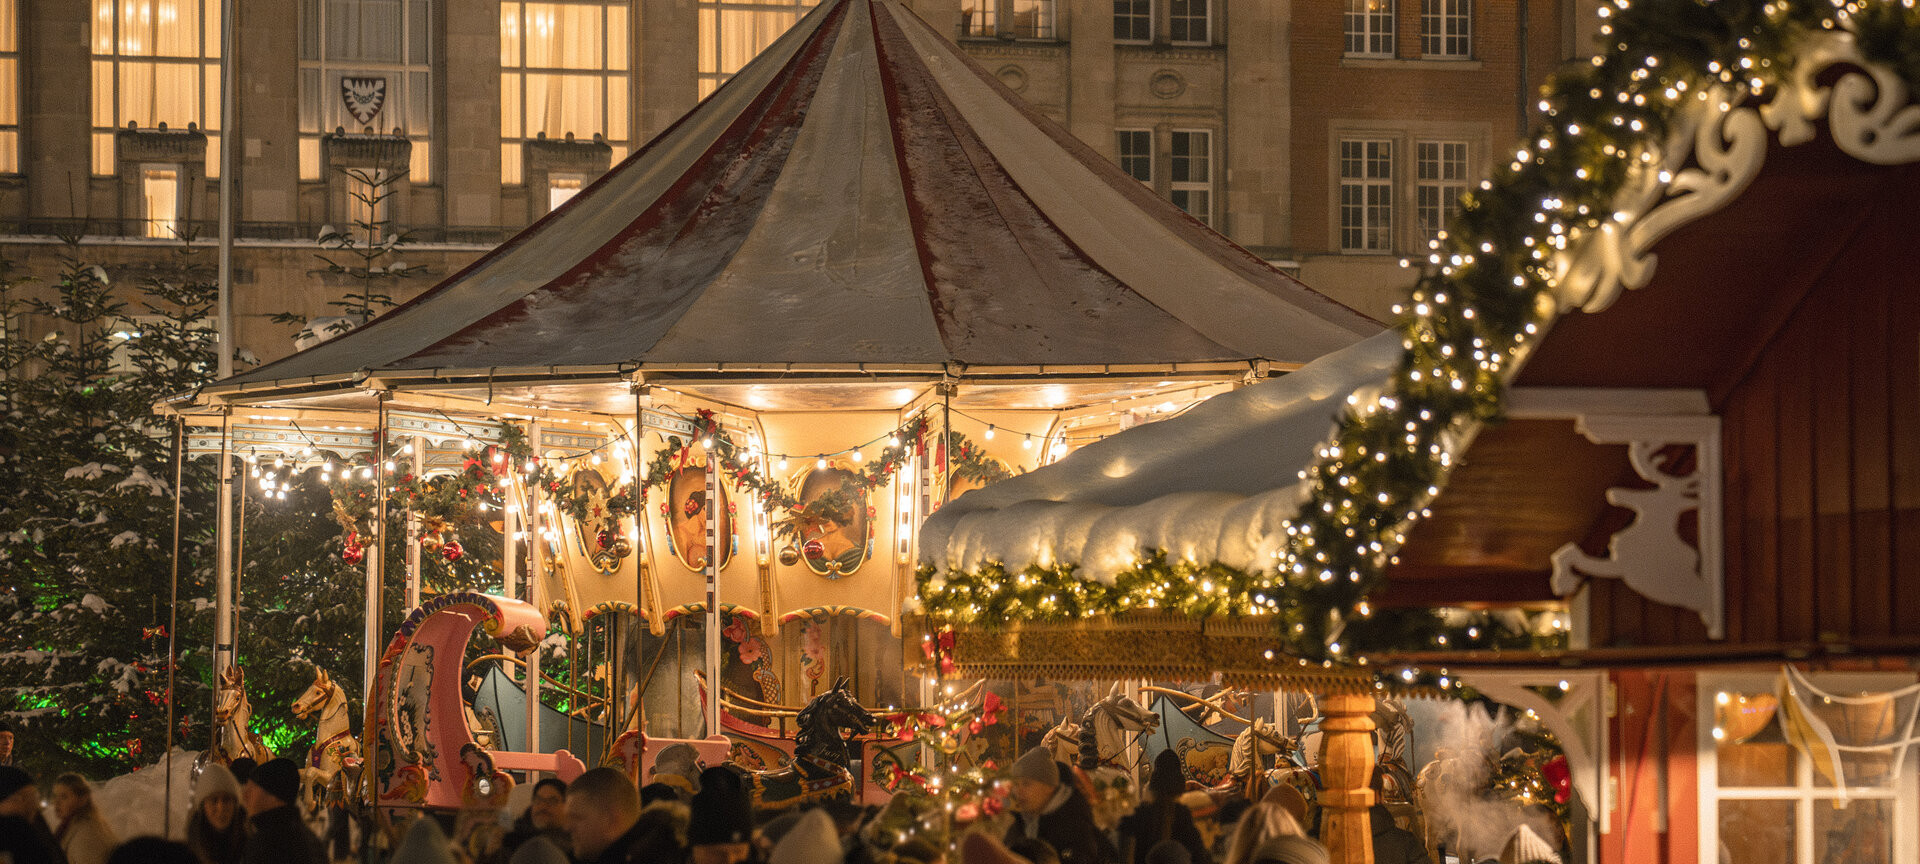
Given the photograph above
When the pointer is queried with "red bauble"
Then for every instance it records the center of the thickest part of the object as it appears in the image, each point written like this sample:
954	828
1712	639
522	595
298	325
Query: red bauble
452	551
814	550
604	538
352	554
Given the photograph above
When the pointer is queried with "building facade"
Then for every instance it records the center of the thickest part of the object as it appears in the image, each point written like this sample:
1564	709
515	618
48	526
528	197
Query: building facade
1329	137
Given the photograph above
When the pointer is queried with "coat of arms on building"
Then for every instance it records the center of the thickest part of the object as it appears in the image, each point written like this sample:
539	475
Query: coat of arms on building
364	97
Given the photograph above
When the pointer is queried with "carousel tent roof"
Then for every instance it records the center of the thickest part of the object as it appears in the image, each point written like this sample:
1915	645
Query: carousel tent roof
863	195
1214	484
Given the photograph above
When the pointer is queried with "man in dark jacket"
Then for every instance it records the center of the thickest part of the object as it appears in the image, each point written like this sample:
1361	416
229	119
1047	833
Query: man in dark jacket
275	832
1393	844
1047	807
1162	816
24	836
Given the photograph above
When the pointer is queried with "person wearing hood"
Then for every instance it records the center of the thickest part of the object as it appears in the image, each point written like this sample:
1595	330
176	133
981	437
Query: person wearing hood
214	830
1046	806
24	835
424	843
83	833
1393	844
277	834
1162	816
720	820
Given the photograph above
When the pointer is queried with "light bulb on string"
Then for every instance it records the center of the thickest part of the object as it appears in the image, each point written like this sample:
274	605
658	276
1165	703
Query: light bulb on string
1027	443
820	464
856	456
989	435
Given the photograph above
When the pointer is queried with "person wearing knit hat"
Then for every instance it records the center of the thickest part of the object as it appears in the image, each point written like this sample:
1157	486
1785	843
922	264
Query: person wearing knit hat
6	743
720	820
811	840
1393	844
1048	807
242	768
1163	817
1290	849
214	830
1525	846
424	843
278	835
24	834
1285	795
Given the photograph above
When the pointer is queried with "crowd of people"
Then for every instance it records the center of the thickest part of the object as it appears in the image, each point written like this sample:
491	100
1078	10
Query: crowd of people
247	814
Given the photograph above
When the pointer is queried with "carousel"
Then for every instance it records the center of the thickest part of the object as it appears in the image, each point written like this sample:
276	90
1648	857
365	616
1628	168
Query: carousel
703	409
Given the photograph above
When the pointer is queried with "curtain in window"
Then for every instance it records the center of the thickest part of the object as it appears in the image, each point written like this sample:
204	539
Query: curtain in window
364	30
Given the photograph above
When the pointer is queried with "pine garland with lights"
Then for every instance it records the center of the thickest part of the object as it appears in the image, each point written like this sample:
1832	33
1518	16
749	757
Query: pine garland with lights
958	789
1484	296
1533	773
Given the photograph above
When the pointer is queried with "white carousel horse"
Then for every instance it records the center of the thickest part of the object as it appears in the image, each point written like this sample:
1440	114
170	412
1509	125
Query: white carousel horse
1101	734
233	717
334	746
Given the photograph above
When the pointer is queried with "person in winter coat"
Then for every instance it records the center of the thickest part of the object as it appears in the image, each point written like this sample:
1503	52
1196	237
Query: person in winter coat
1262	822
720	820
1393	844
83	834
1046	806
24	836
1288	849
1162	816
545	817
214	830
812	840
277	834
424	843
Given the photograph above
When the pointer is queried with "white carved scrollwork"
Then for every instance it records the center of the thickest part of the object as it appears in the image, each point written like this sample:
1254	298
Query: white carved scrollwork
1716	149
1650	555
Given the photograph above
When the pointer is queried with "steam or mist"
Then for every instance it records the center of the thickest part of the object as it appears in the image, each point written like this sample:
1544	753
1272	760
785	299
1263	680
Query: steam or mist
1472	827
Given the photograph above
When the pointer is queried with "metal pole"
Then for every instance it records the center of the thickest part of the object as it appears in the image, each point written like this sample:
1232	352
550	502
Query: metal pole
531	594
714	619
509	545
223	559
413	528
227	90
370	666
173	620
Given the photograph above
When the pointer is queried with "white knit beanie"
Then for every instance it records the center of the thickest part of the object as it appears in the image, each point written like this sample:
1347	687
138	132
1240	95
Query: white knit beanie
1526	847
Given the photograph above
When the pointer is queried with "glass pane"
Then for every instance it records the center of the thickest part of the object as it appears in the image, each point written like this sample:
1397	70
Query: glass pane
617	37
510	105
210	42
1861	832
417	32
510	162
103	100
8	10
310	29
1859	769
510	34
417	96
9	152
103	153
210	119
102	25
616	127
1757	832
418	166
176	94
309	158
213	157
136	94
9	92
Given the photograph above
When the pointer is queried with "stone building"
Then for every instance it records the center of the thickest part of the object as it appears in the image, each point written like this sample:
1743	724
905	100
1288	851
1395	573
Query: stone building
1328	137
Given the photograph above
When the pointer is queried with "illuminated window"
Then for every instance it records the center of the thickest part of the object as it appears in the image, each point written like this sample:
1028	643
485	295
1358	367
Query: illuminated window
1132	20
369	204
154	62
561	188
160	200
1764	798
733	32
1135	148
1011	19
1366	195
1370	27
1188	22
364	68
1190	171
1440	171
563	70
9	88
1446	28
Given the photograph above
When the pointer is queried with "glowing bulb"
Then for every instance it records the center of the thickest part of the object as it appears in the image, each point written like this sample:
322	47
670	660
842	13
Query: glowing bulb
856	455
1027	443
820	464
989	431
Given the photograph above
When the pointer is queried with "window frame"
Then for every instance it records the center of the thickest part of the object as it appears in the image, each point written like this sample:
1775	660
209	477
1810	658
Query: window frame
1434	18
1448	206
1205	17
161	227
710	80
420	168
1803	795
1367	36
1209	187
618	136
1120	155
1366	184
998	17
10	80
1132	15
104	156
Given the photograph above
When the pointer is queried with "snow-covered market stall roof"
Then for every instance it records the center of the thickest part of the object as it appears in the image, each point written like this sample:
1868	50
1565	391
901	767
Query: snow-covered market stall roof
1670	122
861	203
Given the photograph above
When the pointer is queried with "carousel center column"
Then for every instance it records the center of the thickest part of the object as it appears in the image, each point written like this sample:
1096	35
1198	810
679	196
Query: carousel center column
1346	765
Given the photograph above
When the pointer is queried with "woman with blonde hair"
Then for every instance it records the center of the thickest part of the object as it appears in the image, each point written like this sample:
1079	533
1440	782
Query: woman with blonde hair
1262	822
83	834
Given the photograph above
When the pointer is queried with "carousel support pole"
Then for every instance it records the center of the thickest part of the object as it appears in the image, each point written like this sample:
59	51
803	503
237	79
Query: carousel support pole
418	466
375	608
509	540
1346	764
537	548
223	558
714	618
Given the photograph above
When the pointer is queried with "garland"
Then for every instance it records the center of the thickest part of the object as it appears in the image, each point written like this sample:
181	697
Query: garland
1482	301
839	504
969	461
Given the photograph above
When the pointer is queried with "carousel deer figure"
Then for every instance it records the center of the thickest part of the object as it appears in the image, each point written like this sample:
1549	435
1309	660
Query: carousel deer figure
233	717
334	746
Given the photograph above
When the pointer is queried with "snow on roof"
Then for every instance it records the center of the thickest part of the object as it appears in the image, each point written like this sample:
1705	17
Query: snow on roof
1216	484
863	192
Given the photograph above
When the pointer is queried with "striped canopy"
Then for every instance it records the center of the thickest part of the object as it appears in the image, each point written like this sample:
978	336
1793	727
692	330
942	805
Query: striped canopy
862	196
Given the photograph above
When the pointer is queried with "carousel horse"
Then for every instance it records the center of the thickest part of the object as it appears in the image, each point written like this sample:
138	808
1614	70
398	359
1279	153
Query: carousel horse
233	716
334	746
819	769
1223	705
1101	735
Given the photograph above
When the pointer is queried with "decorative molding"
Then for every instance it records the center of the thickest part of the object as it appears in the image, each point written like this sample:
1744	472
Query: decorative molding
1166	84
1170	53
1649	555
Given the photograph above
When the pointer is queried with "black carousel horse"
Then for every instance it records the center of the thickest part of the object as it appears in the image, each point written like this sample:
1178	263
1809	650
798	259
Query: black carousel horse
819	770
